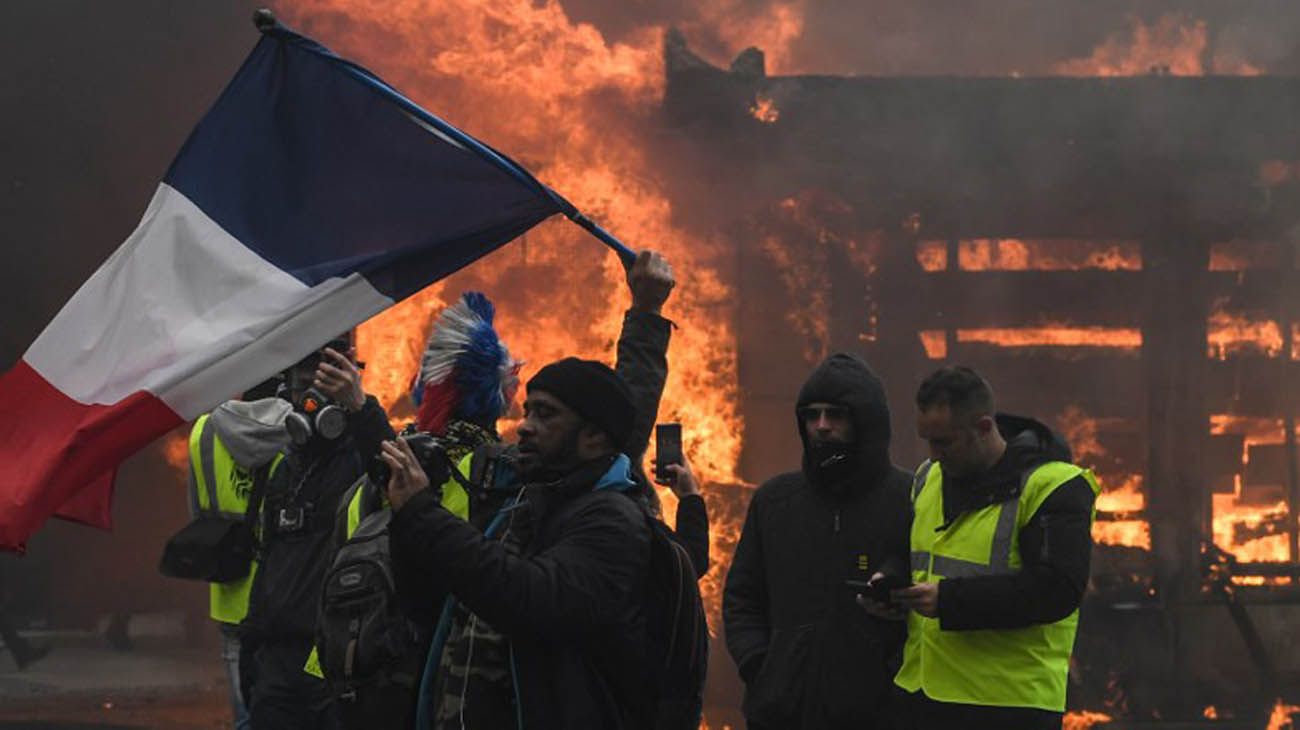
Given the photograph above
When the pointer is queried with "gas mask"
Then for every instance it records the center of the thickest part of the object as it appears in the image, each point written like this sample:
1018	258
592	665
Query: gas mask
314	415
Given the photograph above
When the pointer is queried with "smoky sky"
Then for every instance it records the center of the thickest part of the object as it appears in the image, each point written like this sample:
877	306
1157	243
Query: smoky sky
948	37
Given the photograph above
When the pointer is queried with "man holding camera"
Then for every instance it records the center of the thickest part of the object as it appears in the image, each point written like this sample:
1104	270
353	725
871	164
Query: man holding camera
336	431
560	578
811	541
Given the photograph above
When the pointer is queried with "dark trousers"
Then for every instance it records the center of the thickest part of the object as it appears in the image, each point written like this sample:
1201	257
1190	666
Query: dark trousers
284	697
924	713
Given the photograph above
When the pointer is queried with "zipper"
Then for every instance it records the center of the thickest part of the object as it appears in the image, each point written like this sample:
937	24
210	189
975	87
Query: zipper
837	522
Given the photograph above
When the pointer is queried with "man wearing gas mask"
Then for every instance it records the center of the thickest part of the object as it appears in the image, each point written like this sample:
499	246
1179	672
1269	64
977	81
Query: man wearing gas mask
336	429
812	539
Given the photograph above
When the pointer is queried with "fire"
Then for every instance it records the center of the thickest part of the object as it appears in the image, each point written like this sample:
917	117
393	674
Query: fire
806	281
176	450
1011	254
1252	532
932	255
1055	335
575	103
764	109
1173	45
1083	720
1281	717
1210	713
1229	334
935	343
1126	501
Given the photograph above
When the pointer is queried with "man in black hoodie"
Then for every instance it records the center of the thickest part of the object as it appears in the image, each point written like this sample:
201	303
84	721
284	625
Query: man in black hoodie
809	657
1000	545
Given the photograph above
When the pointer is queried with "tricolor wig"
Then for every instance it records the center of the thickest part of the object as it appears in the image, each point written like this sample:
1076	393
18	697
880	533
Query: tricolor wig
466	373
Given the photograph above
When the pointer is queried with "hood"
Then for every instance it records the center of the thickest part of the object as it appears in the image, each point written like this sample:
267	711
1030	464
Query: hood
1030	442
847	380
252	431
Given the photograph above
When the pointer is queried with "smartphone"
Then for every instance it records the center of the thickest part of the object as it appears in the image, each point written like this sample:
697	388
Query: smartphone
668	450
879	590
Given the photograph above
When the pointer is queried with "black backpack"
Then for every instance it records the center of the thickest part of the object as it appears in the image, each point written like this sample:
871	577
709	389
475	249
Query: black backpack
678	632
370	653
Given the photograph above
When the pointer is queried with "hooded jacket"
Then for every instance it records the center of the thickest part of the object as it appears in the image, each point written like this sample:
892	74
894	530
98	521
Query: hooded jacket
809	655
252	431
1055	545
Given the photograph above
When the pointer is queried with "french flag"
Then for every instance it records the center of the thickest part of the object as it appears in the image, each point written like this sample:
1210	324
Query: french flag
311	197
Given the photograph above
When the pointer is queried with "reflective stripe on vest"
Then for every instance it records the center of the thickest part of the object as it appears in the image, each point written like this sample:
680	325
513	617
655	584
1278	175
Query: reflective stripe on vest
222	487
1024	667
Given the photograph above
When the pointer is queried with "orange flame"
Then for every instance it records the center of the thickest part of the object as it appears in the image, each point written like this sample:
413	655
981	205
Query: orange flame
932	255
1230	334
1281	717
1011	254
764	109
1174	45
1083	720
1055	336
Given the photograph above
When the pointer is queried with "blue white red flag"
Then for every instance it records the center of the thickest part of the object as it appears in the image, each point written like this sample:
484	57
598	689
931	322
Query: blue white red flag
310	197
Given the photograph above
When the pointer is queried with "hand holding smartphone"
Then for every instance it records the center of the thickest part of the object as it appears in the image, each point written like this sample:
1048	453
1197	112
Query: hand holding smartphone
668	451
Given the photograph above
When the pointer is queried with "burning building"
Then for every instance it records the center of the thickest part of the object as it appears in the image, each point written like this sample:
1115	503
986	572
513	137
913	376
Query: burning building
1117	254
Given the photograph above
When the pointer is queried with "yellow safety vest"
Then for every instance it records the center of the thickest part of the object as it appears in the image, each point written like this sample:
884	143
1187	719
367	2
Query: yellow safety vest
222	486
1024	667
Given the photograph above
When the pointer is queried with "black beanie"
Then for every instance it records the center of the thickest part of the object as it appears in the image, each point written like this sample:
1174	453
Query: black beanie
593	391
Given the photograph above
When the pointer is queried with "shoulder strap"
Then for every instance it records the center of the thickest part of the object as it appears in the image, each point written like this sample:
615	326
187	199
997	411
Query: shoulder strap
261	476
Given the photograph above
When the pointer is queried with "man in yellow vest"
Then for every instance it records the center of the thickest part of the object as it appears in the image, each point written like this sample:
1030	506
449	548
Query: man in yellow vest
228	449
1000	547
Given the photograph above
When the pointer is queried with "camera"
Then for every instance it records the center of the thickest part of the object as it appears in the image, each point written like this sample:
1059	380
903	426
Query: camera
428	451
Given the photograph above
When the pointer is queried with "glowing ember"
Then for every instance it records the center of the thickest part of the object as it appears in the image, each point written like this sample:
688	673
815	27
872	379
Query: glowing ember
1244	255
1210	713
1083	720
932	255
1055	336
764	109
1010	254
935	343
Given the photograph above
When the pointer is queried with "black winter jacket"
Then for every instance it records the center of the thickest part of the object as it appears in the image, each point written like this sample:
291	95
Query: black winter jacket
571	602
810	656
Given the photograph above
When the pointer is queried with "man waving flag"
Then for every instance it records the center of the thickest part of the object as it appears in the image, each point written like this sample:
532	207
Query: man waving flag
311	197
